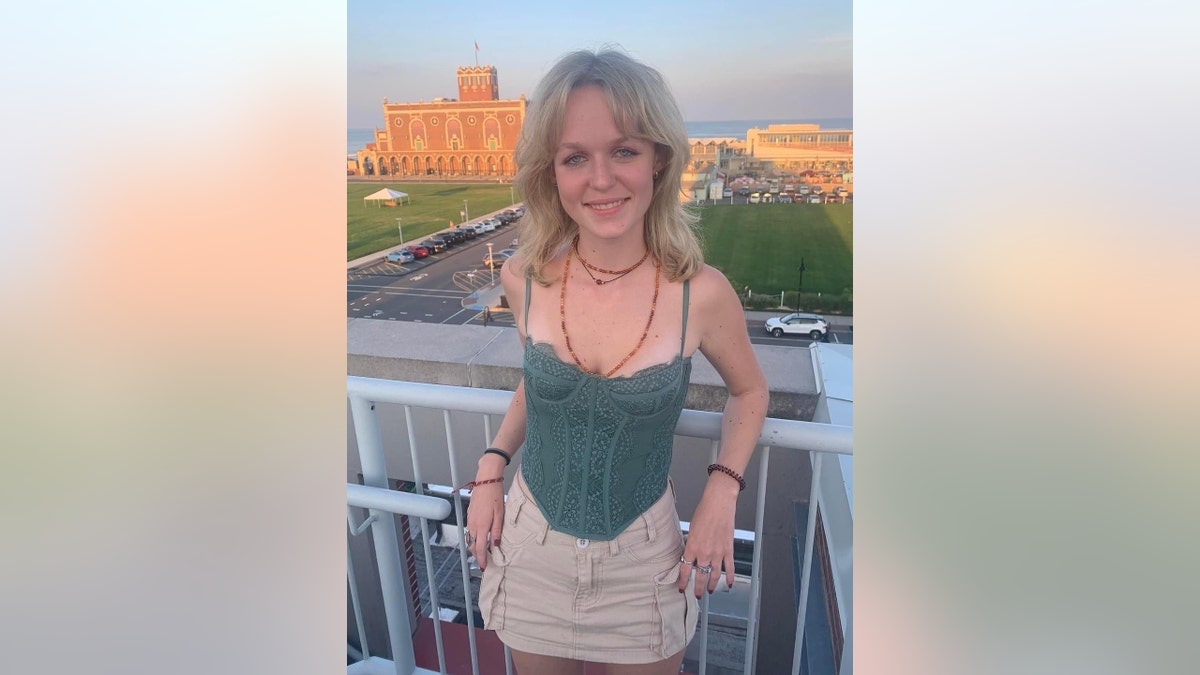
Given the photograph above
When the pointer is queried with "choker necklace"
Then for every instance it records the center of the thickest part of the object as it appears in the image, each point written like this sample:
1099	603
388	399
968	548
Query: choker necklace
588	267
562	313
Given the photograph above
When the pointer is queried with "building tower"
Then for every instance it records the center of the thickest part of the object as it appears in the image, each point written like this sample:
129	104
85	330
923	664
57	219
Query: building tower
478	83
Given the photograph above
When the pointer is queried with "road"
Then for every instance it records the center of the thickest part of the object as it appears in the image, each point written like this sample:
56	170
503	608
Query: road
439	289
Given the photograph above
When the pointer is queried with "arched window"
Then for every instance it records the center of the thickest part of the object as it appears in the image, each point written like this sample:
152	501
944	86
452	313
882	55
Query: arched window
491	133
417	130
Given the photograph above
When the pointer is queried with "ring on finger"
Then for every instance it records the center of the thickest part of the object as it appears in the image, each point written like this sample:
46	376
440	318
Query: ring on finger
685	561
468	538
704	569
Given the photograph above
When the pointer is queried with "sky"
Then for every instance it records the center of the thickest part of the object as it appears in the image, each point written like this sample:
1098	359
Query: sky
724	61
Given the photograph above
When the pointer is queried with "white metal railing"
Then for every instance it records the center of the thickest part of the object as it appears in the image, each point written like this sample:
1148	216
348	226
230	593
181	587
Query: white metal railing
364	393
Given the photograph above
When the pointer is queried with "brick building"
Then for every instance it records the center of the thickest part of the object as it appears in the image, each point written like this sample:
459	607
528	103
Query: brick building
472	135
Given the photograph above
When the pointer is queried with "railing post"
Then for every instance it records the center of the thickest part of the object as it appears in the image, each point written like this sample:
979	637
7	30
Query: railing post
810	534
383	530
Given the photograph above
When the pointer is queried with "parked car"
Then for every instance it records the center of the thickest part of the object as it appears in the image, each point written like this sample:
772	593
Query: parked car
814	199
755	197
447	242
744	191
840	191
488	225
785	199
454	236
728	192
817	189
496	259
813	325
400	256
508	251
434	245
467	230
418	252
803	189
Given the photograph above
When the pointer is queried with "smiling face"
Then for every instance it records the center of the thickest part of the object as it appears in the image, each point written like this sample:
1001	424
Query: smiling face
605	178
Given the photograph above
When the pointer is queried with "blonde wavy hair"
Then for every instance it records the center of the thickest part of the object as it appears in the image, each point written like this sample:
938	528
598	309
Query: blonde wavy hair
642	106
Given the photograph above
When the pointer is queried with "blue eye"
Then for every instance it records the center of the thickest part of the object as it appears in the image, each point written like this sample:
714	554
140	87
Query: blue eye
573	160
626	153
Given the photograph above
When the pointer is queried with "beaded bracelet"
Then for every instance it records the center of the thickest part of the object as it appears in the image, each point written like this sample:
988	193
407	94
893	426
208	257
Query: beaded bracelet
476	483
497	451
729	472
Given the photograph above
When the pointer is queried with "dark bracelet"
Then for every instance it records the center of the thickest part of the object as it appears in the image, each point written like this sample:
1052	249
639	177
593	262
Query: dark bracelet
729	472
497	451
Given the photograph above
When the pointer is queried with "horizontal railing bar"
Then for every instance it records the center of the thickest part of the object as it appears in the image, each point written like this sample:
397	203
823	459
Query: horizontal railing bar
393	501
777	433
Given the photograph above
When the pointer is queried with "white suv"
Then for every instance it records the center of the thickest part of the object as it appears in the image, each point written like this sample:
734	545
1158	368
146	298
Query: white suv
813	325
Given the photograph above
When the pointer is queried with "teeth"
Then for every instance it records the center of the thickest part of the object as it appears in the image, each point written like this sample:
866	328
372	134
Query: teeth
606	206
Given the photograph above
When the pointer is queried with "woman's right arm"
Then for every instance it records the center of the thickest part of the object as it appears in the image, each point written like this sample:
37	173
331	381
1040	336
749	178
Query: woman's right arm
485	516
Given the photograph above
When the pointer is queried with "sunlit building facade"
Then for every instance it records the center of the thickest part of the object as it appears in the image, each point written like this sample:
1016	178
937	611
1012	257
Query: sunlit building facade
473	135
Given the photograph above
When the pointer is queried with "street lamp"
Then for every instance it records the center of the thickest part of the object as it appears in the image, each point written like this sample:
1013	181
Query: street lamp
466	213
491	262
401	229
801	285
512	196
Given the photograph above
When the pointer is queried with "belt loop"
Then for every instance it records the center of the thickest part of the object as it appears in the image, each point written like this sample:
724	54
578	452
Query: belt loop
649	526
613	547
543	529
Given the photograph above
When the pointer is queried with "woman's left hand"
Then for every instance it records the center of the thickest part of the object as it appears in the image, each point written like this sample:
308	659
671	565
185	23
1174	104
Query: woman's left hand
710	538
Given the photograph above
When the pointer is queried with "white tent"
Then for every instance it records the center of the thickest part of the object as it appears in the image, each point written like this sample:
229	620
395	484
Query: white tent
388	195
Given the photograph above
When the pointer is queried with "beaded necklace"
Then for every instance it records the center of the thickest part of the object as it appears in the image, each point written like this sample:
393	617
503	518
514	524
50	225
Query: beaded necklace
588	267
562	313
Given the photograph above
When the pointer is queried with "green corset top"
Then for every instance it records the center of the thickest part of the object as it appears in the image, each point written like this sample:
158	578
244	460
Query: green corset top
598	450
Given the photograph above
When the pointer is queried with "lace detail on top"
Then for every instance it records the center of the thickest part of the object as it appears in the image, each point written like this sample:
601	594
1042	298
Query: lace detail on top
598	450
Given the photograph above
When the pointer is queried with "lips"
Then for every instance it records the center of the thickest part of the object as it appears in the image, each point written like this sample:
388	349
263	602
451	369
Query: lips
603	207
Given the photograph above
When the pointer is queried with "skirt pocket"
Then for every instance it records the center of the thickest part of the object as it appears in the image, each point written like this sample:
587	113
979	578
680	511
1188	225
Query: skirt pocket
675	616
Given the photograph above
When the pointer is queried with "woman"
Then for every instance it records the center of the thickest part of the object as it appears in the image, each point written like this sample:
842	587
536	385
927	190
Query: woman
611	297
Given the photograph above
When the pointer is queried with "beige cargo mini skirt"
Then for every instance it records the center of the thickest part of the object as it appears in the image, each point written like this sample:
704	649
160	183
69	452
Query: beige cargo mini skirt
617	601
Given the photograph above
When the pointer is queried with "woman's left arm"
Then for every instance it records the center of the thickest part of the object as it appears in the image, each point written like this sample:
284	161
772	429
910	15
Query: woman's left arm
726	344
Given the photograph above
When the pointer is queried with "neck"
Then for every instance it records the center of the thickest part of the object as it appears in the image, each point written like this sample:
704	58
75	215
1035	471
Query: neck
611	253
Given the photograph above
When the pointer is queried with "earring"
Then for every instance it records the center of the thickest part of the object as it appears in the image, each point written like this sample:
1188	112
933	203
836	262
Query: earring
656	175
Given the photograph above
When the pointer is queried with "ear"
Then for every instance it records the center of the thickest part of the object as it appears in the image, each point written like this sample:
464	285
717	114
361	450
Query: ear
661	158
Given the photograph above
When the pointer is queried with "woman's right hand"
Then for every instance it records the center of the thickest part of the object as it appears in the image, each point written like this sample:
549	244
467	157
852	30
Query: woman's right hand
485	515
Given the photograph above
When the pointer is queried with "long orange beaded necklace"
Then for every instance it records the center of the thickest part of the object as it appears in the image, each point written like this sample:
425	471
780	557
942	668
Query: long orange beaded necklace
562	313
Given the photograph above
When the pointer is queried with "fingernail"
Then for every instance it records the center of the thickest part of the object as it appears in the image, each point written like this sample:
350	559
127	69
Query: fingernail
681	591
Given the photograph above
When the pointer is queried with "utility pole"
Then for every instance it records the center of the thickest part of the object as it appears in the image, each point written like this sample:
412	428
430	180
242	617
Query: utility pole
801	285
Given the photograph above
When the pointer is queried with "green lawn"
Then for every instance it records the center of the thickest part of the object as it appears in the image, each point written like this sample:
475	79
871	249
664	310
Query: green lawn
371	227
760	245
755	245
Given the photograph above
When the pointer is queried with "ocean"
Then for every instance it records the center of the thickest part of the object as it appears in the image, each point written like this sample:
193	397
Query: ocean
356	139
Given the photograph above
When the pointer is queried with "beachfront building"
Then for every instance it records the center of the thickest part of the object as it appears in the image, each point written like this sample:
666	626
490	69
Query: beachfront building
473	135
801	147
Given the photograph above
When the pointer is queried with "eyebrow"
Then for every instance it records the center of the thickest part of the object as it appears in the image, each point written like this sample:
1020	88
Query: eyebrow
576	146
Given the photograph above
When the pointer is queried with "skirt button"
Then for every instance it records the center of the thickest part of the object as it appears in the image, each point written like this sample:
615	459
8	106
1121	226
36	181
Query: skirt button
581	543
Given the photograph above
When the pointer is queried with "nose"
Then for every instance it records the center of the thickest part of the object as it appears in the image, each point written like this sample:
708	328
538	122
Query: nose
602	175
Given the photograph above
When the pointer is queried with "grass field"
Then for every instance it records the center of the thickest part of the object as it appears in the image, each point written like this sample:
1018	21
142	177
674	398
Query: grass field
756	245
760	245
371	227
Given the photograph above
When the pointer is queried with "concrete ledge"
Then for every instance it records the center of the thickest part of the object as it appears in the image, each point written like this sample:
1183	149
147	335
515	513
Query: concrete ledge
490	357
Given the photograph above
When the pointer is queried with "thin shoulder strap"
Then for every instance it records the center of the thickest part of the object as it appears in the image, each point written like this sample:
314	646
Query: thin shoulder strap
683	335
528	289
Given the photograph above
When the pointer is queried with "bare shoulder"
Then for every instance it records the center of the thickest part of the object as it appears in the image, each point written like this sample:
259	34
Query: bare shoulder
710	290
